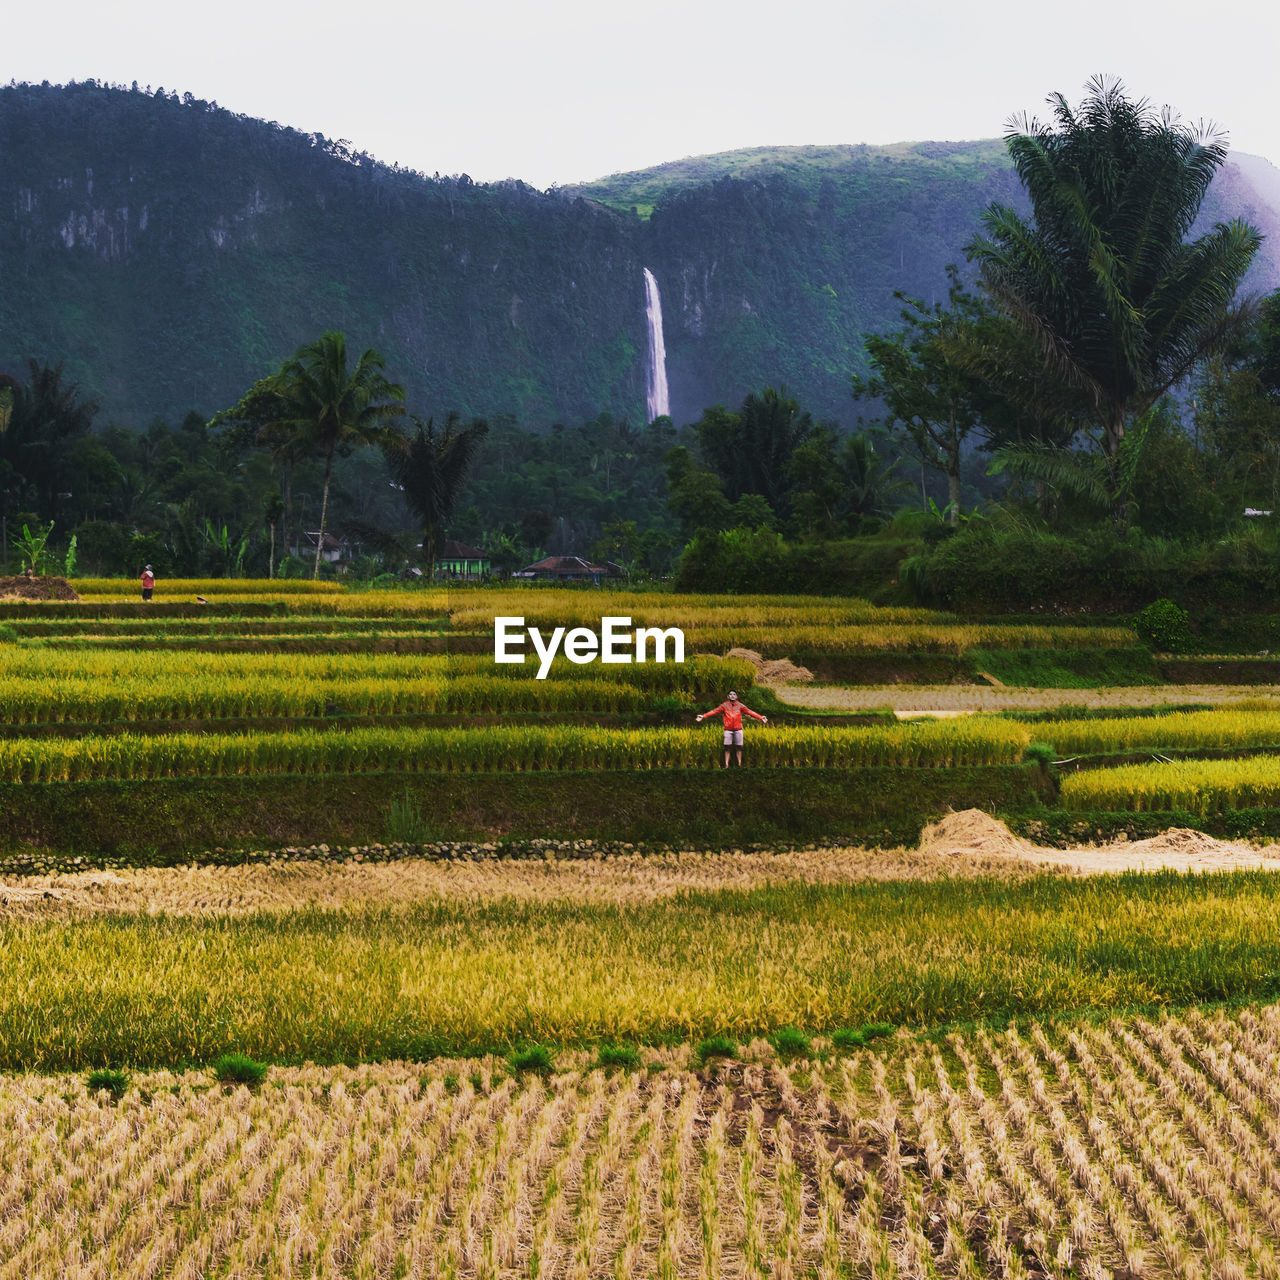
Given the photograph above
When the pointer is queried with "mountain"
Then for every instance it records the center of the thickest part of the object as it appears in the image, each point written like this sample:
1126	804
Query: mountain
775	262
170	252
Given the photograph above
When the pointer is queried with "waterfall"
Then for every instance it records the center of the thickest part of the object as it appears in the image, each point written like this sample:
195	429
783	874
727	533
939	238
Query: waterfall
658	402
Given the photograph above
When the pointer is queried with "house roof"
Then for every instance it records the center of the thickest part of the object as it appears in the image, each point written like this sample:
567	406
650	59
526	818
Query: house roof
452	550
564	564
330	542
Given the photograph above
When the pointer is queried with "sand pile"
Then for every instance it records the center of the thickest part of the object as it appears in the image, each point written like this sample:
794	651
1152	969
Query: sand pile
972	832
770	671
23	588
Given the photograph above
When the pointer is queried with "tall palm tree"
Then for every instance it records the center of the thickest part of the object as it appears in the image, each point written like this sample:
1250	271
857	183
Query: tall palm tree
430	469
323	405
1122	305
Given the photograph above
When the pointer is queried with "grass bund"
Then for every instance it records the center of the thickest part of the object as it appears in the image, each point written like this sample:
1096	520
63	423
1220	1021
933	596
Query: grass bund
168	820
284	684
452	977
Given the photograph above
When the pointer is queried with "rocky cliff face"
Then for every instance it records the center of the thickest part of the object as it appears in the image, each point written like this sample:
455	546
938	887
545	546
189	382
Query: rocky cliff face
171	252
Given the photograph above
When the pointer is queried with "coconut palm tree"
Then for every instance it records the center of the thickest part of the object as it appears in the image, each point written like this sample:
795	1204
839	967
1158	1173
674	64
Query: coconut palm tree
1121	303
323	405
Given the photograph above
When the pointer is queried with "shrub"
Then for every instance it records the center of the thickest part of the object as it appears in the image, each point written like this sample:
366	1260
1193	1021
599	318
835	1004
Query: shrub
116	1083
536	1059
406	823
238	1068
759	560
1040	752
990	564
671	706
617	1057
717	1047
790	1042
860	1037
1164	626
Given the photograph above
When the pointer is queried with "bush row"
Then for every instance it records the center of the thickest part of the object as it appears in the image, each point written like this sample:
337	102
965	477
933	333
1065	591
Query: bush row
1003	566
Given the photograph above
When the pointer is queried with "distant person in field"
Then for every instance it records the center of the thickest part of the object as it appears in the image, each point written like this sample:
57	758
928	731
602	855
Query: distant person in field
733	711
148	583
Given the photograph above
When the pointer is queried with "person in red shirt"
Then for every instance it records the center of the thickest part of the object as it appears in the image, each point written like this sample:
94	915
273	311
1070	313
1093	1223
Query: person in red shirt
148	583
733	711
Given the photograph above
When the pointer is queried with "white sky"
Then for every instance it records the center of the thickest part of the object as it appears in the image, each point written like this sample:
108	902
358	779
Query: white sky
570	90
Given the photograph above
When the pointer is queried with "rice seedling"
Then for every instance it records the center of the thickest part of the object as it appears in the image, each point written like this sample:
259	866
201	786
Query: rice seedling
601	1172
547	1248
109	1080
239	1068
859	1037
636	1182
536	1059
790	1042
677	1157
716	1047
787	1243
618	1057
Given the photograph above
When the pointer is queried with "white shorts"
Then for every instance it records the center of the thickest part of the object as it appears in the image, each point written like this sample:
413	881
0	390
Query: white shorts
733	737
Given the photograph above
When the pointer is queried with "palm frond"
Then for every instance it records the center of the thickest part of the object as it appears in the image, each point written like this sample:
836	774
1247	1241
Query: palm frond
1082	477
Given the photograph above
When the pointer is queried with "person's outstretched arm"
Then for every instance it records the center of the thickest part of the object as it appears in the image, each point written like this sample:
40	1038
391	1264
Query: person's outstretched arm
747	710
698	719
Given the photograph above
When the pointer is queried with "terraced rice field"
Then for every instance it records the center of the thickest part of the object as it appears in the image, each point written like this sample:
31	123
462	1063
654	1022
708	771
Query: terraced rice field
1128	1147
312	688
657	1064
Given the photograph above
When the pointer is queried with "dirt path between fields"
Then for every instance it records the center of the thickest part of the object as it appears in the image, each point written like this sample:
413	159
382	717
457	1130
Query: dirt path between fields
970	843
965	699
973	833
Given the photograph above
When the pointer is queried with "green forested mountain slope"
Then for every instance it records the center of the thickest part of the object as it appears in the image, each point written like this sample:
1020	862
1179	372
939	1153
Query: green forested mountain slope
774	262
171	252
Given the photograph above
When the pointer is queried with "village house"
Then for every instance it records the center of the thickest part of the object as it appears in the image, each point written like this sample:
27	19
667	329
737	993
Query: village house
458	560
336	551
564	569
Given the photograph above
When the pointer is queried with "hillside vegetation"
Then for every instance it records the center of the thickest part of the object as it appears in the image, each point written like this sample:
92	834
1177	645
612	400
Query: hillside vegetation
172	252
